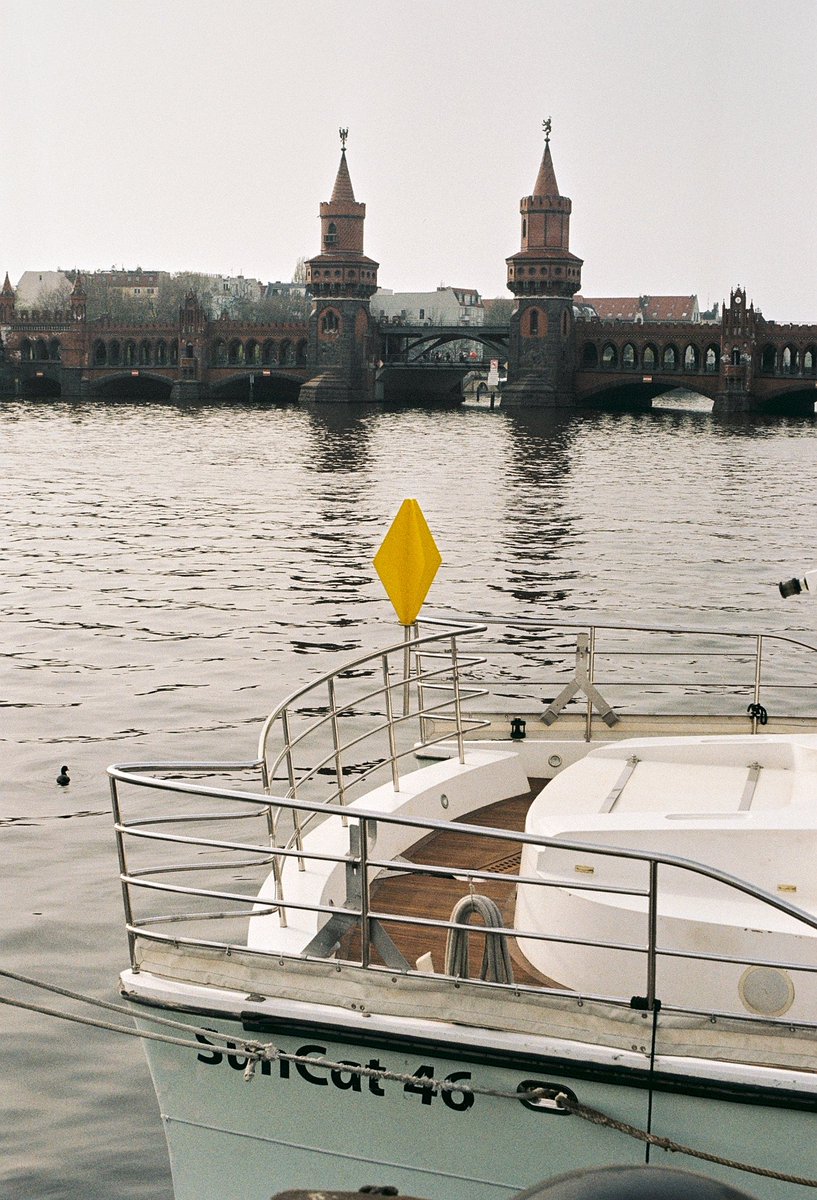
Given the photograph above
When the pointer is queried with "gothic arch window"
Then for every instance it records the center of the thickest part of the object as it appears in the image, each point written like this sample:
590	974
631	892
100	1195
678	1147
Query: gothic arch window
144	353
609	355
670	359
130	354
791	360
100	354
161	353
736	356
114	353
268	352
808	361
26	352
54	350
331	234
300	353
174	353
252	351
40	349
711	360
692	358
768	359
590	355
649	358
533	322
330	322
286	353
235	353
629	359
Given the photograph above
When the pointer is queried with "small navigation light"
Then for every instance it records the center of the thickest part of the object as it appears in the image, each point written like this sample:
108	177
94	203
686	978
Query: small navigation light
517	729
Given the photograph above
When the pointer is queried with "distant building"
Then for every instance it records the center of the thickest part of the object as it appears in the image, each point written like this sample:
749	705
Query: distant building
36	289
279	288
641	308
136	285
445	306
227	292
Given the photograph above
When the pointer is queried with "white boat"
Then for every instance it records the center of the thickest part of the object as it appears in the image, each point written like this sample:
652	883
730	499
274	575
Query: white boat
628	860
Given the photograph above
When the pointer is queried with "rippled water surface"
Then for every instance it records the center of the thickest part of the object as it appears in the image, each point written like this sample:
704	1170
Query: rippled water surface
170	573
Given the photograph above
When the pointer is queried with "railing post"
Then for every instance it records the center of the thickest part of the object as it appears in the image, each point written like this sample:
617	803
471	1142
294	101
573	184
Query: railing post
455	679
758	666
395	777
652	920
293	787
272	834
421	694
591	663
333	714
123	871
365	943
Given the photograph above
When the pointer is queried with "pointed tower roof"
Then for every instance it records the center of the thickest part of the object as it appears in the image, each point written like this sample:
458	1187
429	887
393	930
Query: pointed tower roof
544	265
342	192
546	184
8	290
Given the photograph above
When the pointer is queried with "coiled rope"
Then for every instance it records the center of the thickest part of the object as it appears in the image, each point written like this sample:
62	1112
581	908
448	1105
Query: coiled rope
256	1052
496	960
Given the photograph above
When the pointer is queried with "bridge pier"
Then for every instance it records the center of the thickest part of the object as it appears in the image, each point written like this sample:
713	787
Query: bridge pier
188	391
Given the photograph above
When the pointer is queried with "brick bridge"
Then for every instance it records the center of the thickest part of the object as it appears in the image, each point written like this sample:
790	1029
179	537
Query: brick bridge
555	356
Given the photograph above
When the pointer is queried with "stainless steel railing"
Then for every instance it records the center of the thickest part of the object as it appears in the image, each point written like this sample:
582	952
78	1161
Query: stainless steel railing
154	890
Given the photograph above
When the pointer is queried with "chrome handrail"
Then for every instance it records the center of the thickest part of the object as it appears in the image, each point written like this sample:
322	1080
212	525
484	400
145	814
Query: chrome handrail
370	868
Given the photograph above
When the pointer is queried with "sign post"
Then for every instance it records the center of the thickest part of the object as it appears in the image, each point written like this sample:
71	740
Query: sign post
407	562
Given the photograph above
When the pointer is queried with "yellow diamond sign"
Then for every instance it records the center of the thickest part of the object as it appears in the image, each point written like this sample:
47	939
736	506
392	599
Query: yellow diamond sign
407	561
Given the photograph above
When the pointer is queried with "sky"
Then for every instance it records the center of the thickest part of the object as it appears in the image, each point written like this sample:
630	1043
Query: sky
200	135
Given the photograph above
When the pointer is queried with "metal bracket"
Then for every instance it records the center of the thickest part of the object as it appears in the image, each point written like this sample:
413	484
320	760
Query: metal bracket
329	937
581	683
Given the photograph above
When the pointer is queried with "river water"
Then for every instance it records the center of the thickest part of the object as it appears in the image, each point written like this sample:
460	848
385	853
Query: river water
170	573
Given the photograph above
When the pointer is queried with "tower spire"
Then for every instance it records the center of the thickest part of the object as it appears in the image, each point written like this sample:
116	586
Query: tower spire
544	266
341	268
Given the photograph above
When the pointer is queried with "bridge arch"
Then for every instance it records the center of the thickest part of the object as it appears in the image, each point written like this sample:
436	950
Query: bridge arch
669	357
790	360
131	385
629	357
692	358
40	385
274	387
609	355
649	357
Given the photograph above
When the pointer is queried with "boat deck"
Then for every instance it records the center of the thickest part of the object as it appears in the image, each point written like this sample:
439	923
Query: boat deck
431	897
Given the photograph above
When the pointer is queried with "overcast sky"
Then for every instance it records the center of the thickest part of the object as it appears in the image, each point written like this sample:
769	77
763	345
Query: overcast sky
202	135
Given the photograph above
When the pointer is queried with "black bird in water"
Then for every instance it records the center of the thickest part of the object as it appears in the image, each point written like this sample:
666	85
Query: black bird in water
63	779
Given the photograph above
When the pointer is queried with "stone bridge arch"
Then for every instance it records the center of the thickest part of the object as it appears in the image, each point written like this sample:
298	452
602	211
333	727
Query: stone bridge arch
131	385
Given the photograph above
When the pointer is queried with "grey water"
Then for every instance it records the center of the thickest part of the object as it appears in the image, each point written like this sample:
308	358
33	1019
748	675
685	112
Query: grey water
170	573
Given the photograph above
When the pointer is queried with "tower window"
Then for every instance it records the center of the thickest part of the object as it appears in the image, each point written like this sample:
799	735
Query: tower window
329	322
534	322
331	234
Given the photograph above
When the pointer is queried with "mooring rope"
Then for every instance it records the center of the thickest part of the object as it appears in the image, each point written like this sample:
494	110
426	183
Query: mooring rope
256	1052
596	1117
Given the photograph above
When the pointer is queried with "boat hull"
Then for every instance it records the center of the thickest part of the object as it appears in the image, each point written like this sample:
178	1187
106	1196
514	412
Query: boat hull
296	1125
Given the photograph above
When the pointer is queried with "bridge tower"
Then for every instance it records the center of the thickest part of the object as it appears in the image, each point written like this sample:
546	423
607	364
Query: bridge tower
738	338
7	302
341	281
543	276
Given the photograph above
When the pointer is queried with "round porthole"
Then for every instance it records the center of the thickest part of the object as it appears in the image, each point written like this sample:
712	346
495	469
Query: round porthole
555	760
444	800
766	990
